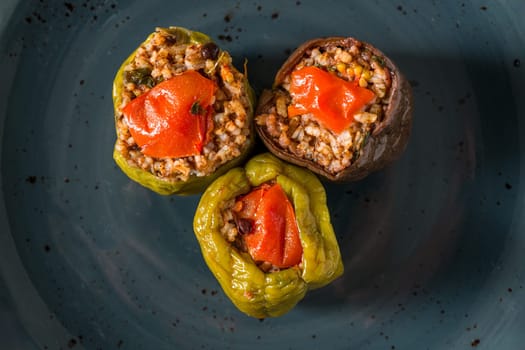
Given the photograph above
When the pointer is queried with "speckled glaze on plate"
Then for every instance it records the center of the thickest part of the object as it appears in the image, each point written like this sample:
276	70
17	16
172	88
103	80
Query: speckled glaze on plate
432	246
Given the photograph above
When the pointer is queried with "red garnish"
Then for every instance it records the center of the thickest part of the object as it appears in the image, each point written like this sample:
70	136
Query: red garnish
274	237
173	118
332	100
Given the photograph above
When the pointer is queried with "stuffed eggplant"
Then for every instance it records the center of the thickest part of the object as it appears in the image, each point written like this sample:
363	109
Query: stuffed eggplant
265	233
339	107
183	113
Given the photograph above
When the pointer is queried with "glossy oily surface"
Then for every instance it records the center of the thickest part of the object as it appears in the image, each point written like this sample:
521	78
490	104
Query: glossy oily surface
432	246
327	97
165	122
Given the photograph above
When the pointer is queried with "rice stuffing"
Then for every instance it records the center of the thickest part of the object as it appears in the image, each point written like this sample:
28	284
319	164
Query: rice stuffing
303	136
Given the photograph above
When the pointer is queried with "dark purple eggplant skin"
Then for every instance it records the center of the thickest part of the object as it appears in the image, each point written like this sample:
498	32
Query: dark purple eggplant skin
387	141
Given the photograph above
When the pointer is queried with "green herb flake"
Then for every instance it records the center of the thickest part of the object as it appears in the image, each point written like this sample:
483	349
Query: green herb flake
140	76
379	60
196	108
365	138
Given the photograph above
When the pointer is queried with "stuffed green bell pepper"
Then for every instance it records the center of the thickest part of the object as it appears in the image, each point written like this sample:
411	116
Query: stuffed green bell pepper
265	233
183	113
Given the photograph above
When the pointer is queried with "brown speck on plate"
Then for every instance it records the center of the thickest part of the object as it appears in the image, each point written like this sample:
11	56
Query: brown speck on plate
31	179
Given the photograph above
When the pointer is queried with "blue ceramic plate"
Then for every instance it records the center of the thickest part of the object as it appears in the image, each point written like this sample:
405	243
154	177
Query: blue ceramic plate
433	245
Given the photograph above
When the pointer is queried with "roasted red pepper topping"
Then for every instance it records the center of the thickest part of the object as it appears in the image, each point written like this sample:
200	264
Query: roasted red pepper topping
332	100
274	235
173	118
